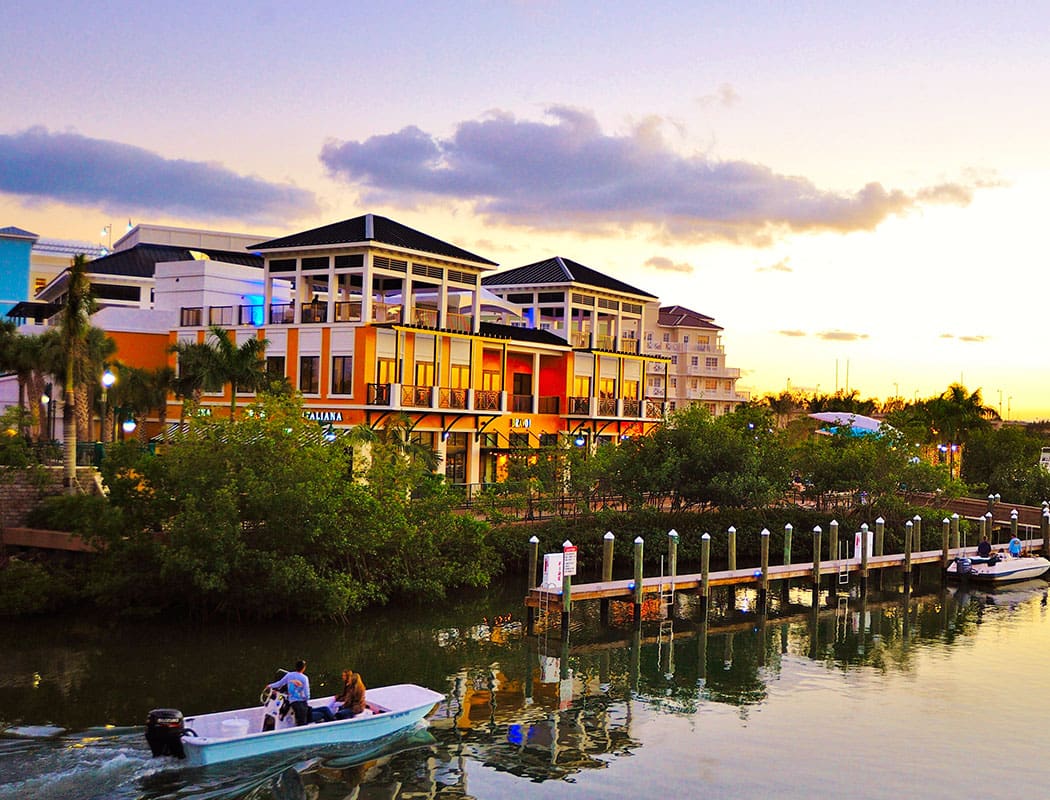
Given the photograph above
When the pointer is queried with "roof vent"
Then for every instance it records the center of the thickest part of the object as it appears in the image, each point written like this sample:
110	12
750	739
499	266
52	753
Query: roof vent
369	229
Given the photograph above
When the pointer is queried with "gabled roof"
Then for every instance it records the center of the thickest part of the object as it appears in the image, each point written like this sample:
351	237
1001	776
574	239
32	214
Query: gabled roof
372	228
680	316
140	261
560	270
531	335
12	232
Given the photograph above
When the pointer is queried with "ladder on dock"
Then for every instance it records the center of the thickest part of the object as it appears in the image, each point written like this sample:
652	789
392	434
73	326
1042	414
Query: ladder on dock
843	563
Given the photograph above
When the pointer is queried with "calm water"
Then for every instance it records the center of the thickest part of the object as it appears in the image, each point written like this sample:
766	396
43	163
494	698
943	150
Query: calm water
882	697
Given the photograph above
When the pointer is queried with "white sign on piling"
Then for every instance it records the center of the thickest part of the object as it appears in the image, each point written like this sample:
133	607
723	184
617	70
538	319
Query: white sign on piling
569	555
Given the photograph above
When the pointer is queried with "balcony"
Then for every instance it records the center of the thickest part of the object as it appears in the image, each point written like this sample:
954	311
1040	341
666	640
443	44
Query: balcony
486	400
378	394
604	342
549	405
250	315
632	408
191	317
628	345
282	313
386	312
461	323
221	315
581	338
417	396
580	406
452	398
606	406
521	403
313	313
347	311
423	317
654	409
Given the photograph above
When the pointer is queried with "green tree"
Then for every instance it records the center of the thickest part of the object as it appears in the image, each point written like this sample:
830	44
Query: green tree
73	330
243	368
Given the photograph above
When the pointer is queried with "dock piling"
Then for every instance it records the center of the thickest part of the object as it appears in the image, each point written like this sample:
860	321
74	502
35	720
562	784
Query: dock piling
863	558
955	530
731	549
705	573
763	590
639	544
1044	531
816	559
608	543
534	557
946	530
909	526
566	588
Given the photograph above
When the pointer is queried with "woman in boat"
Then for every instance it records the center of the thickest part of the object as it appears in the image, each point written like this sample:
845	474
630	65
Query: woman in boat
348	703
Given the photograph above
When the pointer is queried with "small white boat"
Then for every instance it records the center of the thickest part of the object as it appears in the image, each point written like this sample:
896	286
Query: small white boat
997	568
245	732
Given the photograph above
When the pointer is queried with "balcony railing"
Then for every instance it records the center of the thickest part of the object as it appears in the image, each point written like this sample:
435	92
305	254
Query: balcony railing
606	406
378	394
250	315
581	338
417	396
312	313
423	317
452	398
386	312
549	405
632	408
462	323
628	345
604	342
521	403
654	409
220	315
486	400
282	313
191	317
347	311
580	406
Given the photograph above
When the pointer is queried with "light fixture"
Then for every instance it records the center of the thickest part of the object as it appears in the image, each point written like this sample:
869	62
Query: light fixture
580	441
108	379
128	426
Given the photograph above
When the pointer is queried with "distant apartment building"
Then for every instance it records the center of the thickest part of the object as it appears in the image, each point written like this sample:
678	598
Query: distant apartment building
697	372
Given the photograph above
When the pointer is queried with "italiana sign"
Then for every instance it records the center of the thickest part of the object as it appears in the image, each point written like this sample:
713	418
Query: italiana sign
324	416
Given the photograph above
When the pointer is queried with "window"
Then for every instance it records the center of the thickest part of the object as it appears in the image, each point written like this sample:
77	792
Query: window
667	337
711	363
710	384
386	370
342	375
490	381
674	360
424	373
459	376
694	361
581	386
490	440
521	298
518	440
316	262
685	339
548	440
347	262
607	387
282	265
275	367
39	284
552	297
309	374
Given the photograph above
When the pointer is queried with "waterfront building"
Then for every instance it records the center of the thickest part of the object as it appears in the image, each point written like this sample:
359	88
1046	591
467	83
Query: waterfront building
697	372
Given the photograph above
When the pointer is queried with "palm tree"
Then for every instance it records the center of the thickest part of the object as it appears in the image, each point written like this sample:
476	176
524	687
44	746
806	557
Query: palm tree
242	367
953	415
197	372
73	327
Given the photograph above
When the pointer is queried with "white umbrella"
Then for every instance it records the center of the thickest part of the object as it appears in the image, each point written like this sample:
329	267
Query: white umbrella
847	419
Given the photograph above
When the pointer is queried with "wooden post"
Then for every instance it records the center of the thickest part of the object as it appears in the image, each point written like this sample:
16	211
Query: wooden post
672	566
880	537
787	543
607	573
955	531
731	549
863	558
833	554
1013	523
639	544
816	558
989	526
1044	531
908	528
534	556
917	533
705	573
946	530
763	590
566	590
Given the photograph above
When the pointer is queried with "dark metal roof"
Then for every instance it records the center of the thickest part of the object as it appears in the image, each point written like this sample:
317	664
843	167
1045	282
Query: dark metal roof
372	228
680	316
497	331
560	270
35	311
140	261
17	233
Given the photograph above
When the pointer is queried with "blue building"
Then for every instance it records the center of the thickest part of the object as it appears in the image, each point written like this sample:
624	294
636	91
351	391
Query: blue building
16	248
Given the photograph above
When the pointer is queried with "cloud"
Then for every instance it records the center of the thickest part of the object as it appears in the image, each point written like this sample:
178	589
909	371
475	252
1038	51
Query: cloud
667	265
780	266
965	338
841	336
566	173
792	333
726	96
71	168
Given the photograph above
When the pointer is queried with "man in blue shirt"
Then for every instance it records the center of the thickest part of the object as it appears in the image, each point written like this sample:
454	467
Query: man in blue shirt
1015	547
297	686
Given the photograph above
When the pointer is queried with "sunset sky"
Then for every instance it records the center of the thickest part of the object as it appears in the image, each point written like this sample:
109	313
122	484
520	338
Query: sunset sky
848	189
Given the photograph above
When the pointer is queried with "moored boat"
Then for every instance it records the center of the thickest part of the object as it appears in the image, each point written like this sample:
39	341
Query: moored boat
998	568
241	733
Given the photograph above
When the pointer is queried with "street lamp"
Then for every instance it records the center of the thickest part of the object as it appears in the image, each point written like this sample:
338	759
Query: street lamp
108	379
49	425
128	425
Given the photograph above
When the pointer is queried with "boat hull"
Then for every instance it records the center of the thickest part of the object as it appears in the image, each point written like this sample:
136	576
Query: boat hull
1006	570
395	709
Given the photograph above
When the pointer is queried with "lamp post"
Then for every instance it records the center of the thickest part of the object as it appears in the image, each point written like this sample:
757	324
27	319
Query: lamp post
108	379
48	428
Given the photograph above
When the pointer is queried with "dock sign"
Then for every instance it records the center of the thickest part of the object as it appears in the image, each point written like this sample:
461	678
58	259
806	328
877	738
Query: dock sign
569	555
552	570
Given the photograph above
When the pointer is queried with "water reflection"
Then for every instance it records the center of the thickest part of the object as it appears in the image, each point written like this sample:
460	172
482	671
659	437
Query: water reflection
541	708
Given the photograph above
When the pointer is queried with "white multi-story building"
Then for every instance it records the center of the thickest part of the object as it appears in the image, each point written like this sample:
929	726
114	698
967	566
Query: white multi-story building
698	371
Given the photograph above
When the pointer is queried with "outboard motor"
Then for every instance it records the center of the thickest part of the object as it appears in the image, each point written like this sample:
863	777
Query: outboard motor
164	730
963	566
